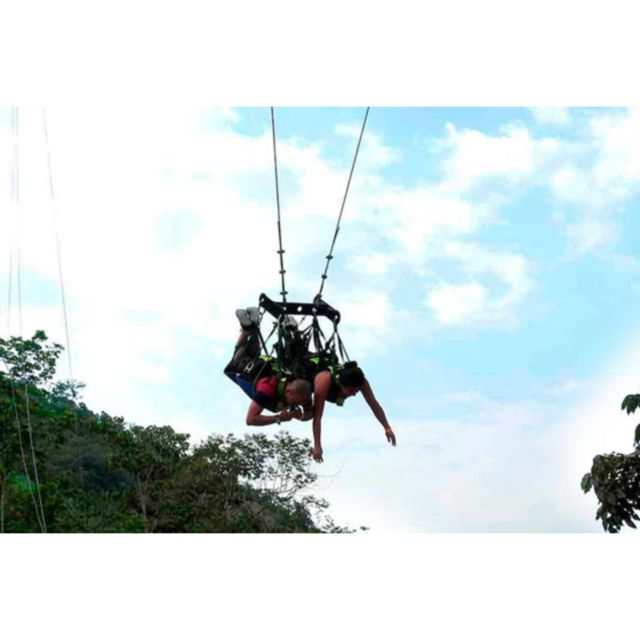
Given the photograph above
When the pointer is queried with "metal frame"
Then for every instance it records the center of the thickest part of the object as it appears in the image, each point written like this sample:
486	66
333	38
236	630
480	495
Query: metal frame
317	308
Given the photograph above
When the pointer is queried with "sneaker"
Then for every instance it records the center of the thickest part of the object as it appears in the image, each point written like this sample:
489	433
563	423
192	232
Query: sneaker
254	315
248	317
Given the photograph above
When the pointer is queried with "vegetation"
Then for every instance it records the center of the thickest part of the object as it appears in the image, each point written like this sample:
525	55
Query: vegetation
64	468
615	479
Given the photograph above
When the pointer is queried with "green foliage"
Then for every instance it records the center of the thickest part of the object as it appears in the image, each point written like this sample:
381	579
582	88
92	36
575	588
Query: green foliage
32	361
615	479
99	474
631	403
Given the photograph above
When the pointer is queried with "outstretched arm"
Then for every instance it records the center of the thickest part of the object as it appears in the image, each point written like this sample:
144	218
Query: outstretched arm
378	412
322	384
256	419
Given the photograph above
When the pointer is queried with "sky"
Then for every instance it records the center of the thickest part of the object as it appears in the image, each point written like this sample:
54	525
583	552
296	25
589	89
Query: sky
485	271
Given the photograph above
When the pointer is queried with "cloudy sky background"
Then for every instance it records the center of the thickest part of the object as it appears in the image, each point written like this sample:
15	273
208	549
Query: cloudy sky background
485	272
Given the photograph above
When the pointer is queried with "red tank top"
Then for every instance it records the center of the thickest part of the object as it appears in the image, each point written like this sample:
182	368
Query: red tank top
268	386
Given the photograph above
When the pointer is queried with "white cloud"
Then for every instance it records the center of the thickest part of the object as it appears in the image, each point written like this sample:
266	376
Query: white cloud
625	263
368	316
597	170
569	184
604	167
618	164
551	115
464	397
373	152
375	263
589	234
422	218
565	388
458	304
486	471
514	155
471	303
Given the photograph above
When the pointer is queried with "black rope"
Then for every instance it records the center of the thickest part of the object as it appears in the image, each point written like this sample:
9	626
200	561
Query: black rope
284	292
344	199
343	349
264	342
321	344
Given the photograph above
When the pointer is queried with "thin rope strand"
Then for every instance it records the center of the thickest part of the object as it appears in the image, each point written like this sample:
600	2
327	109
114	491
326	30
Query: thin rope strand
23	455
58	247
54	212
284	292
20	325
14	204
344	200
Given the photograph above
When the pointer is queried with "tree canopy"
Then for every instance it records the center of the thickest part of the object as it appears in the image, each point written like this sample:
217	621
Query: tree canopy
64	468
615	479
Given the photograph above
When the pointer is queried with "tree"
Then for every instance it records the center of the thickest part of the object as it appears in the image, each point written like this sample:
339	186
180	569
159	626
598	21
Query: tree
98	473
152	455
615	479
253	484
31	361
28	363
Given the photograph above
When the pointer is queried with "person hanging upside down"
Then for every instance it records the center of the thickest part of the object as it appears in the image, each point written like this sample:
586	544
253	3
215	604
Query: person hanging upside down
335	385
256	376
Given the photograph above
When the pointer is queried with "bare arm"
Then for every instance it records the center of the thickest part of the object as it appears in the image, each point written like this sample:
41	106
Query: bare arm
322	384
378	412
256	419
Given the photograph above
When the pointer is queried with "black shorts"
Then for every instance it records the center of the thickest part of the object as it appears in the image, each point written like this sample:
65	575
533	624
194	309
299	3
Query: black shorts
249	369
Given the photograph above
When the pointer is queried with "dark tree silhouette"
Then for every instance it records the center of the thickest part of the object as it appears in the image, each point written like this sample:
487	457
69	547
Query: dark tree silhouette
615	479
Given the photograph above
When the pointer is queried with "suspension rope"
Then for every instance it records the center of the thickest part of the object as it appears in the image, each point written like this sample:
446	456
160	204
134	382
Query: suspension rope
54	209
344	199
284	292
54	213
15	201
23	455
26	390
316	331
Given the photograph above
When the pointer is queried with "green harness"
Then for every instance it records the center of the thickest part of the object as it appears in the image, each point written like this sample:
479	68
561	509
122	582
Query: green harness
284	377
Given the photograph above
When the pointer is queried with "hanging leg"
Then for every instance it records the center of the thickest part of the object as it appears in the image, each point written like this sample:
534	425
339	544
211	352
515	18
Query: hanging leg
247	347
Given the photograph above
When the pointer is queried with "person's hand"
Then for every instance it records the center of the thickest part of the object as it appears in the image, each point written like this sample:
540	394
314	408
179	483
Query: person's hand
286	416
317	453
391	437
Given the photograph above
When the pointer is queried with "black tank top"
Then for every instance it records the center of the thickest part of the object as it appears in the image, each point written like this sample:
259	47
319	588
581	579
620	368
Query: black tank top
334	391
315	365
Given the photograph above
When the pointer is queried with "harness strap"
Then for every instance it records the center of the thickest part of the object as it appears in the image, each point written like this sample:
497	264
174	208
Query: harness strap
282	385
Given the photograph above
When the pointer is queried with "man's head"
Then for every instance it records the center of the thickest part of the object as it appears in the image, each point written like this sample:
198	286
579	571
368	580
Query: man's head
351	379
297	392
